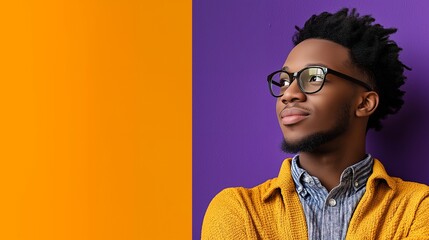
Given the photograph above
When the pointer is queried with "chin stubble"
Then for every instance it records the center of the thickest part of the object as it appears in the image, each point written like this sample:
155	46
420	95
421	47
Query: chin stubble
312	142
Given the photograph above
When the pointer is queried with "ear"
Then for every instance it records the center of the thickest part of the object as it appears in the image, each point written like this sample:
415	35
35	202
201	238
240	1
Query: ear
368	103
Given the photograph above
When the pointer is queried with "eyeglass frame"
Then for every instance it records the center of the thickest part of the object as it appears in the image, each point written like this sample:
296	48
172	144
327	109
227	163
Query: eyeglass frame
325	70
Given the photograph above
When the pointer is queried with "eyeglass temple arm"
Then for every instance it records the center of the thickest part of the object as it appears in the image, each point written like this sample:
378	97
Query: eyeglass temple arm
363	84
269	79
275	83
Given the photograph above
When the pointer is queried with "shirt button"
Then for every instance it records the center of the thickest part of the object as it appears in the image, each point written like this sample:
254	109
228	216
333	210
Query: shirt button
307	179
332	202
356	184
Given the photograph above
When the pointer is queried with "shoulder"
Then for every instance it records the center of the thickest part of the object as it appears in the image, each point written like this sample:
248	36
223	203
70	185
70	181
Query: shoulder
230	212
412	190
400	187
236	198
415	197
409	186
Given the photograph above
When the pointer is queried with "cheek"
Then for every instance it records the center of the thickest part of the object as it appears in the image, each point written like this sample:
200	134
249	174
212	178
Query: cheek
279	107
328	111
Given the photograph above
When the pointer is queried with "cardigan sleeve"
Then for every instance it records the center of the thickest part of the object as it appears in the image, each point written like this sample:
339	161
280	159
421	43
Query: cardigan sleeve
224	218
420	226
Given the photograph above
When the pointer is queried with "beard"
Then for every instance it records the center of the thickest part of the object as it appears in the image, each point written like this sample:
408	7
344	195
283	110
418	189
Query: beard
314	141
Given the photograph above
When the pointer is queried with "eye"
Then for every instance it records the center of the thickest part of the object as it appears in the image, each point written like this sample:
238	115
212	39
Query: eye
316	79
284	83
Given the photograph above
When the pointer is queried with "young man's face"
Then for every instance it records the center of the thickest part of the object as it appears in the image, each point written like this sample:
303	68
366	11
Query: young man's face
308	121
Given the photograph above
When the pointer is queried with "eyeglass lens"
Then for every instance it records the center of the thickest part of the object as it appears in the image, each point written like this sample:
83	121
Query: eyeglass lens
310	80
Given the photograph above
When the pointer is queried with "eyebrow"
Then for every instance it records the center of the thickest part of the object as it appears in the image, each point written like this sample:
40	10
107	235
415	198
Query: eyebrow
285	68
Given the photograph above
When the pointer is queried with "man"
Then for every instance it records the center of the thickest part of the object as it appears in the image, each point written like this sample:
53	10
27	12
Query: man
341	78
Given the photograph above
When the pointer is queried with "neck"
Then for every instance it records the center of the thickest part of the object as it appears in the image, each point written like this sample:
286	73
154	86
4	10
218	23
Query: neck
330	160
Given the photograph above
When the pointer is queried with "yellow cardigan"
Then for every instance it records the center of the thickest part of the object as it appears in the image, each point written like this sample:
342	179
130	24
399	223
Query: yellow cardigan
390	209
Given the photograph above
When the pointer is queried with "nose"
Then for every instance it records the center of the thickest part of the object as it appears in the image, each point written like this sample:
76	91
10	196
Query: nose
293	93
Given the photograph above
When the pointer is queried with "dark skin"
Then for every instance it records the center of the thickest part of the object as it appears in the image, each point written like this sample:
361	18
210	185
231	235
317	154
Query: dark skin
317	113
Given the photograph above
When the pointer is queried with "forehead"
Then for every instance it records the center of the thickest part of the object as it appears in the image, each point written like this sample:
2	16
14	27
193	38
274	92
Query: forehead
317	52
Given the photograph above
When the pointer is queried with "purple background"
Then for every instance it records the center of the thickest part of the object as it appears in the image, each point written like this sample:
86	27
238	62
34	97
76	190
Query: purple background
236	137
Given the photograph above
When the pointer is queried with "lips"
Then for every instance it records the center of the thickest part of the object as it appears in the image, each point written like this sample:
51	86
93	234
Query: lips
290	116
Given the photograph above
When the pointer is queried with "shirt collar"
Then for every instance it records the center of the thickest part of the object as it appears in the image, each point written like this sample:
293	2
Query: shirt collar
359	171
284	184
356	175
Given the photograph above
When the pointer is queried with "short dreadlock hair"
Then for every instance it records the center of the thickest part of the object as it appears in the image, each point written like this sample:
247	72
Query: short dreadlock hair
371	50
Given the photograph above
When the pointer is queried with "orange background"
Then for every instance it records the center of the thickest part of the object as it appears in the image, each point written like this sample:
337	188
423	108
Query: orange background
95	119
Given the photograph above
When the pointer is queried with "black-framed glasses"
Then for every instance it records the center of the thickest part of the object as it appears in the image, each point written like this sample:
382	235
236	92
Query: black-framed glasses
310	80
